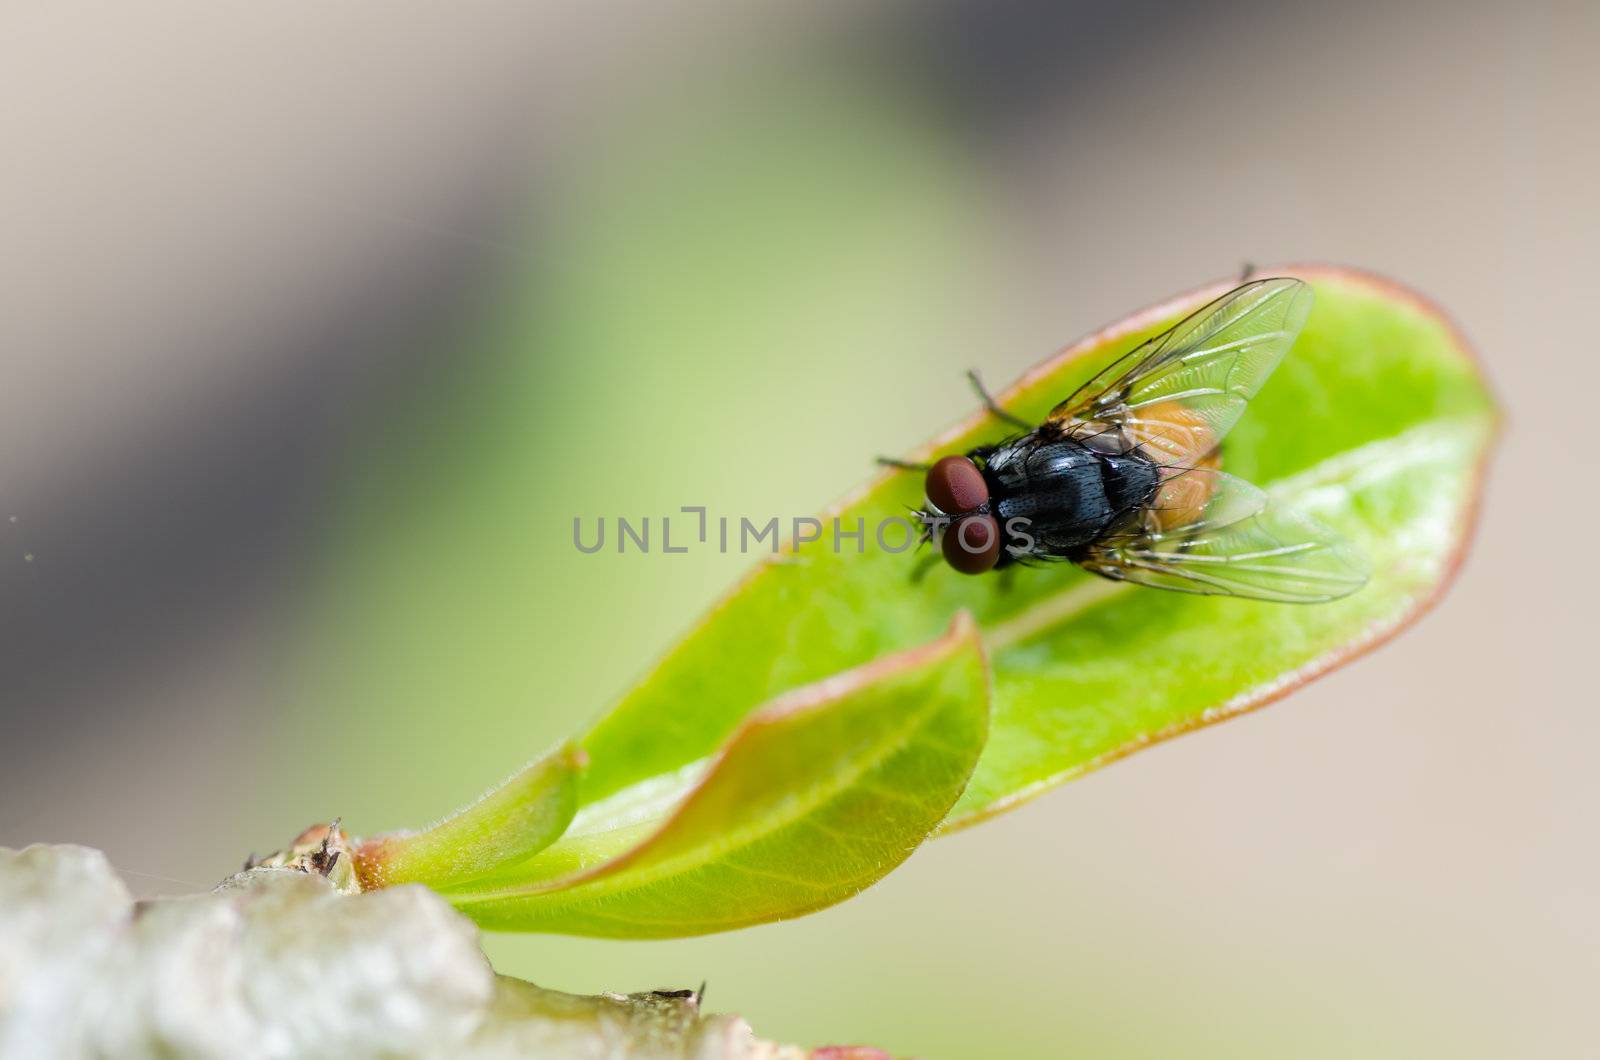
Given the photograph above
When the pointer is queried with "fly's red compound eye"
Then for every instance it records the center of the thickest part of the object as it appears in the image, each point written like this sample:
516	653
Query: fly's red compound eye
955	485
972	544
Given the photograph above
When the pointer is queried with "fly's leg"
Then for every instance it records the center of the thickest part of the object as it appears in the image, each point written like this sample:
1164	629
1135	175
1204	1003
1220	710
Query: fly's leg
1006	579
982	452
1247	271
925	563
993	406
926	560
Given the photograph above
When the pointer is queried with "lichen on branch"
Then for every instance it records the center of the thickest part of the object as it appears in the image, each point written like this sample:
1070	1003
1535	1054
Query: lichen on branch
278	962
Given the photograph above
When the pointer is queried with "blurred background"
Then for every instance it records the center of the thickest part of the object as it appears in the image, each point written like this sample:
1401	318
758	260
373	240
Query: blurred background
319	322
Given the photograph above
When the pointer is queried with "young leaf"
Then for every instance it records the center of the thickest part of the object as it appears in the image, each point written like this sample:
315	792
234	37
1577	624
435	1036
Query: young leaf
815	797
511	823
1377	423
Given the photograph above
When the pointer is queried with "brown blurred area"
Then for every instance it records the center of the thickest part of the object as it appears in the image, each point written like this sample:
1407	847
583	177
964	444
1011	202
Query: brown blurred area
234	235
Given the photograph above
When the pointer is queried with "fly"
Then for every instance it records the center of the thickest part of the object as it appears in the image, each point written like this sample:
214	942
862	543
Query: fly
1123	478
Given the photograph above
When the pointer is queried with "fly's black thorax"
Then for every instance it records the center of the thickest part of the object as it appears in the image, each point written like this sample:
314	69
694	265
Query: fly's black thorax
1069	494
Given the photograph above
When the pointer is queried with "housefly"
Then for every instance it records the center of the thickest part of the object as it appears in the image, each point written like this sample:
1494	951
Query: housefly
1124	477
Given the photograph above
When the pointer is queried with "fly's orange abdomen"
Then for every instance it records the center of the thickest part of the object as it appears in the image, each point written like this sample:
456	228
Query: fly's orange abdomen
1183	435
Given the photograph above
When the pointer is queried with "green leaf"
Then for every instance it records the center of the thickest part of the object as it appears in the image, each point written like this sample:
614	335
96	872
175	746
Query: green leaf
1377	423
814	798
511	823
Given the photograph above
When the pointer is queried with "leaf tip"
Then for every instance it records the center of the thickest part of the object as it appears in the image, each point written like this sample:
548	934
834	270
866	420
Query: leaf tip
510	823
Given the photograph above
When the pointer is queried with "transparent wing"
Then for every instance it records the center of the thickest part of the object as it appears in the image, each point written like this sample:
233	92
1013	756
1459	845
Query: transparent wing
1179	393
1216	535
1189	501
